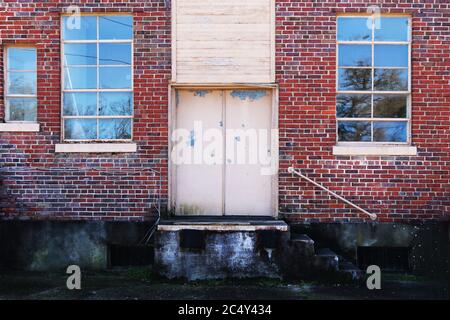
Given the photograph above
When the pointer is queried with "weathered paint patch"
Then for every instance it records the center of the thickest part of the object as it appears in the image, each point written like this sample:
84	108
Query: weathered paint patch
201	93
252	95
191	141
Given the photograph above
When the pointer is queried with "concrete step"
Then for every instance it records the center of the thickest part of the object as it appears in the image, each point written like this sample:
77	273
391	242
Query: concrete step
302	244
350	270
326	260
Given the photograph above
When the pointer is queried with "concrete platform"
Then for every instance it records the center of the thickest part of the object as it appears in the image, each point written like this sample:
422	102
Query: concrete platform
197	248
222	223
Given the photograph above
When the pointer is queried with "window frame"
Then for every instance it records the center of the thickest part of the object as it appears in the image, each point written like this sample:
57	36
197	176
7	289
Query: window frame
373	92
6	95
97	41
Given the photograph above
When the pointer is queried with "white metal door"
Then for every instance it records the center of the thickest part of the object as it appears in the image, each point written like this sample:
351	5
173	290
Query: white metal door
248	184
209	125
199	183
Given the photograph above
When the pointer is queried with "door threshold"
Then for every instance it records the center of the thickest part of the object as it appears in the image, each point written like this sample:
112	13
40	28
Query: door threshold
222	223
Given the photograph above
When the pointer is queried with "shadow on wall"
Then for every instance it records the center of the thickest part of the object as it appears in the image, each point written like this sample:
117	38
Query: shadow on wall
47	245
427	244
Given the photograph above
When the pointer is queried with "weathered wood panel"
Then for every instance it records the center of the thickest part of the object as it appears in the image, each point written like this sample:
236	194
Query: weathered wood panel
223	41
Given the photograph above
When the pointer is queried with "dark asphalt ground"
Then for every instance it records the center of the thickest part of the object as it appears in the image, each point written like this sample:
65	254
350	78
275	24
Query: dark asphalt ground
138	284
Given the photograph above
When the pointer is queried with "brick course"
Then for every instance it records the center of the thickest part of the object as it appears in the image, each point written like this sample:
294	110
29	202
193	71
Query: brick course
36	183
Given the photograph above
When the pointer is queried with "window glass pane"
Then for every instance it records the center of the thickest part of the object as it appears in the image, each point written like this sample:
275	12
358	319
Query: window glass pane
115	54
391	56
353	106
115	128
391	80
389	106
355	55
392	29
116	103
22	109
115	78
354	29
116	27
389	131
355	79
80	54
80	104
354	131
80	78
21	59
21	82
80	129
80	28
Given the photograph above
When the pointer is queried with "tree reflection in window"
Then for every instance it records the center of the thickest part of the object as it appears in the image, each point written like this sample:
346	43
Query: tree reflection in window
98	78
373	79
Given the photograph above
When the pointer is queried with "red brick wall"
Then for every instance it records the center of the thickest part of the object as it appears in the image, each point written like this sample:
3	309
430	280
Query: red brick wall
37	183
396	188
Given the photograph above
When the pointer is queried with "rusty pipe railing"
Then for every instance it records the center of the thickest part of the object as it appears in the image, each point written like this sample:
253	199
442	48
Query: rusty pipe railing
292	170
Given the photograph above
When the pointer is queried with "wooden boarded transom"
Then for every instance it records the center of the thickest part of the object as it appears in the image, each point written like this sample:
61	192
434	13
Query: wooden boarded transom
223	41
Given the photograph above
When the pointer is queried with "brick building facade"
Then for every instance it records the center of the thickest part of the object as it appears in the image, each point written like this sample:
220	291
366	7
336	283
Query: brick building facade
39	183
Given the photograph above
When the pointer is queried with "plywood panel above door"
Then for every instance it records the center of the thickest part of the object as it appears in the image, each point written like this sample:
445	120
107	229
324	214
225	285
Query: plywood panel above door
223	41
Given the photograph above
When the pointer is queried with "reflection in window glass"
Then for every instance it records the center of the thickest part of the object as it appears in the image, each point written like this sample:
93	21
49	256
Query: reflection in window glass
80	129
115	78
391	56
80	28
116	103
115	128
389	131
116	27
80	78
21	84
354	29
354	131
391	80
21	59
389	106
392	29
353	106
115	54
355	79
98	93
80	104
373	78
22	109
355	55
80	54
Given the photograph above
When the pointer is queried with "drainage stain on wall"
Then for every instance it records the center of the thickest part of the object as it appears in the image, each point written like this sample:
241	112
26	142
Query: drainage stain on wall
252	95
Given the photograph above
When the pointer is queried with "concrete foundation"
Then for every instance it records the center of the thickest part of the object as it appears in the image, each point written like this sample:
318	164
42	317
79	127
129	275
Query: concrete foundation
429	242
225	253
46	245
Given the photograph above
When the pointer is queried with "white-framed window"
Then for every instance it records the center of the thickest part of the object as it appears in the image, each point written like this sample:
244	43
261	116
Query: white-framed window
373	102
20	84
97	77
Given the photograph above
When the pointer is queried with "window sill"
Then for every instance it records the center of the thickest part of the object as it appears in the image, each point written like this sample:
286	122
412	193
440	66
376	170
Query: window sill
380	150
19	127
95	147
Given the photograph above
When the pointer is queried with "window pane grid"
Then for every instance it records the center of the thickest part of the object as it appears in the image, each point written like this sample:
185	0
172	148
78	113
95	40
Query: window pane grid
378	74
121	123
20	84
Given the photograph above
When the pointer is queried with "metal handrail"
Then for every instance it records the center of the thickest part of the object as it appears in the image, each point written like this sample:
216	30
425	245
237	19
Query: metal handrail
372	216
